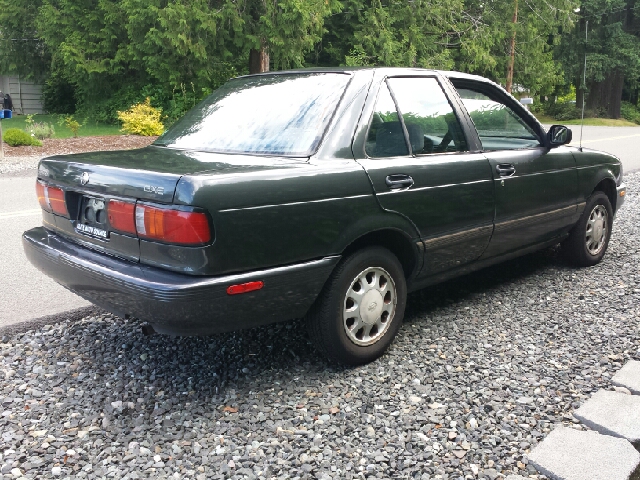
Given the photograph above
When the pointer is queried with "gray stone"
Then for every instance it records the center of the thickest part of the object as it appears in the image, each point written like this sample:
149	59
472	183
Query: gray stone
568	454
628	377
622	390
612	413
516	477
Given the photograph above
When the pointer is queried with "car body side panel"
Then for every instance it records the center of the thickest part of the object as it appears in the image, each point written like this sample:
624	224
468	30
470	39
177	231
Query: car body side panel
536	203
451	202
594	166
283	216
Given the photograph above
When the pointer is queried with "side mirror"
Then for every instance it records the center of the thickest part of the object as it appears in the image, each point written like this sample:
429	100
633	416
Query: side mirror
559	135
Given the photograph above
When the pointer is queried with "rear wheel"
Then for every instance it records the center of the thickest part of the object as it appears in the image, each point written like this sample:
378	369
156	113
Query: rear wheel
361	307
589	239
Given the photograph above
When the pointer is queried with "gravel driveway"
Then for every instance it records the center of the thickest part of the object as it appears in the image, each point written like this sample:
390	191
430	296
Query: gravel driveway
483	368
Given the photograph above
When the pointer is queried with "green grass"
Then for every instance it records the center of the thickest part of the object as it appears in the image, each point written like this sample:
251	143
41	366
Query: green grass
596	122
88	129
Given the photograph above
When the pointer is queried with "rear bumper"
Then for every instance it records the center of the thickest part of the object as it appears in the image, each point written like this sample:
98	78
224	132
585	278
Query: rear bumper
174	303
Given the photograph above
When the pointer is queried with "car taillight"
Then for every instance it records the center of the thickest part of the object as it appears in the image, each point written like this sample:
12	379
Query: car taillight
51	199
122	216
172	226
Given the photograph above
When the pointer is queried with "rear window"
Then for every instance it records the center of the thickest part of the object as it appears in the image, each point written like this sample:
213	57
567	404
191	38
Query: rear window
267	114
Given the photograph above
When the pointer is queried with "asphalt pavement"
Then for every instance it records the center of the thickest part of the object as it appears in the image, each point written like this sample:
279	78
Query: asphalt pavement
26	294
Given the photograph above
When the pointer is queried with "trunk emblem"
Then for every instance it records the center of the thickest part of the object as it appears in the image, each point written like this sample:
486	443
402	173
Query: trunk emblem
85	178
152	189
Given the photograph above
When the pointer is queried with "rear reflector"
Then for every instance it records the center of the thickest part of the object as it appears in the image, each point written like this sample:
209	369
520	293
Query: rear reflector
122	216
51	199
244	288
172	226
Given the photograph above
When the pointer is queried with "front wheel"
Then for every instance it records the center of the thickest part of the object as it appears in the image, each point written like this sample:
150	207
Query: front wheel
589	239
361	307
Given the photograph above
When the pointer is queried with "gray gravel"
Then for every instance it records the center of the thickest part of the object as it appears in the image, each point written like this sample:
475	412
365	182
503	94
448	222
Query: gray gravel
484	367
18	164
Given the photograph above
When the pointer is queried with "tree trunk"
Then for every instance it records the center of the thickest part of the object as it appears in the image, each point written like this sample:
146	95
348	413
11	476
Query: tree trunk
512	57
615	94
259	59
605	97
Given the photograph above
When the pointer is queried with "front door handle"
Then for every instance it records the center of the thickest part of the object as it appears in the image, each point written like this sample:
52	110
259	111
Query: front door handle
505	169
399	181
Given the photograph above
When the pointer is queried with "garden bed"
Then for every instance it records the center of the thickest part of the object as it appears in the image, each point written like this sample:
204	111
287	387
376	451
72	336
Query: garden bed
56	146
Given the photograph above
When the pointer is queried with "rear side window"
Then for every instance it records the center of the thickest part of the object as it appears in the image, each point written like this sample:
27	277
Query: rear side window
499	127
386	136
266	114
428	116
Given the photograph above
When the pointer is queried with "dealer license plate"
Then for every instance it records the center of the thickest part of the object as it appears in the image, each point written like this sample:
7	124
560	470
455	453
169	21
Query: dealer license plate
89	230
92	218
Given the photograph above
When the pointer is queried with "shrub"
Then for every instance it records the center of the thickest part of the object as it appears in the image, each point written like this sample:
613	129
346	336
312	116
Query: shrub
16	138
142	119
630	112
41	130
71	123
563	111
568	97
58	94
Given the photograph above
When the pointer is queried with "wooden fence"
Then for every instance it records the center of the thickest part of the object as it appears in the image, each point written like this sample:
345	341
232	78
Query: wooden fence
26	95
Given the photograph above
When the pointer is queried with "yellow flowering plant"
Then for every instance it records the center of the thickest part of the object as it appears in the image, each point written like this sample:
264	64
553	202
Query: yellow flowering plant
142	119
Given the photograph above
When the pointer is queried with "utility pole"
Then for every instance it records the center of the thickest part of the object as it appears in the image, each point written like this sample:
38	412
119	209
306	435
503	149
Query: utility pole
512	58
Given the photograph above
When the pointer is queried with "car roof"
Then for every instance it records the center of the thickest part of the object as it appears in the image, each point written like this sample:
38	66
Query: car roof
389	70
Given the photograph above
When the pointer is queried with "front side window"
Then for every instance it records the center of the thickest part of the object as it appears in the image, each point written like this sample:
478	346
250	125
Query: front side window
499	127
265	114
428	116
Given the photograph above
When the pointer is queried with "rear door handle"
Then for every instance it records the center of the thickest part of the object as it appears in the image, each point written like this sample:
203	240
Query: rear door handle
505	169
399	181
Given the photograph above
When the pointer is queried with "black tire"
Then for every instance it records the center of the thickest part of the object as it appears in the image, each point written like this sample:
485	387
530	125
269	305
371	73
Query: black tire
575	246
325	321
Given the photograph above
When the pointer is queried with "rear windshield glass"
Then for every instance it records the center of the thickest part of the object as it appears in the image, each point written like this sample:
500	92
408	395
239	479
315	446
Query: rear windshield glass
273	115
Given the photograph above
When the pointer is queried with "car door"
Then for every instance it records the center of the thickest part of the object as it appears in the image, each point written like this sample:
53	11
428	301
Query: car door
417	156
536	187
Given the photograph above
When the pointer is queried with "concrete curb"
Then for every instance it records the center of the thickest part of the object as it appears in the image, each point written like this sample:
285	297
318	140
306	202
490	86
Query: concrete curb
570	454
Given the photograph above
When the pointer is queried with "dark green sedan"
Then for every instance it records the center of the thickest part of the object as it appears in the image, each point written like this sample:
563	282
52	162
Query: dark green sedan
325	194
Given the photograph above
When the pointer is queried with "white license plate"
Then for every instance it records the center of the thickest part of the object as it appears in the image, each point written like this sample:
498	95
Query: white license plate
89	230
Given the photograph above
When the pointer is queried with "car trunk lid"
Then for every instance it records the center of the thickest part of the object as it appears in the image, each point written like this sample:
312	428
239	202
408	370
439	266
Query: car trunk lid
150	174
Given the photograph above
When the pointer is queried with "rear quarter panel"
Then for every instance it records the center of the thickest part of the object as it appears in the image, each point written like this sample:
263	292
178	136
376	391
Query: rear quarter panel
286	215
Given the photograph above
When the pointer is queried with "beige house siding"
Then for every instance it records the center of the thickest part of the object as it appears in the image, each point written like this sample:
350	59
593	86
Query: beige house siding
26	95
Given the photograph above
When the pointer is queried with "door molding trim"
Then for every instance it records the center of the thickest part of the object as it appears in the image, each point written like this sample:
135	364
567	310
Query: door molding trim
458	237
537	218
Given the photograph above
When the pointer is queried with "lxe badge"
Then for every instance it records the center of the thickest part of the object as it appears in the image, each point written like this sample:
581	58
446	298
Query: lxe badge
84	179
152	189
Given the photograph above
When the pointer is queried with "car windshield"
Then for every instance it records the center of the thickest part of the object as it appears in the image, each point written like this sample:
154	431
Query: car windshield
267	114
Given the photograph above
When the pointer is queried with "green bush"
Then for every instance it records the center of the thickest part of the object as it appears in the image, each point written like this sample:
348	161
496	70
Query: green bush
630	112
562	111
58	94
16	138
